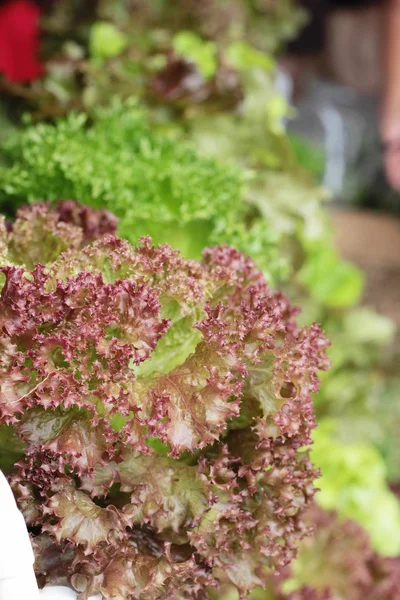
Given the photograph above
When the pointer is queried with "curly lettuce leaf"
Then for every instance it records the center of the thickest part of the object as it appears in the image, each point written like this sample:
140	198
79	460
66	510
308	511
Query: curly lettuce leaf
139	472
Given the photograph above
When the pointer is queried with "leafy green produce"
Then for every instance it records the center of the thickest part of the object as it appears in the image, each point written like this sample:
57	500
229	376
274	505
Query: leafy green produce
336	563
362	387
106	40
158	185
332	281
156	462
353	480
212	93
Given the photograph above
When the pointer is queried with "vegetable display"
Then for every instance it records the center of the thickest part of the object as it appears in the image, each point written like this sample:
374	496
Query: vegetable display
155	407
158	184
78	41
160	410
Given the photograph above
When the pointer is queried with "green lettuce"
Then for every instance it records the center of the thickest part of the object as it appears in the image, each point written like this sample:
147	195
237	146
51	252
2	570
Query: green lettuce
157	184
353	481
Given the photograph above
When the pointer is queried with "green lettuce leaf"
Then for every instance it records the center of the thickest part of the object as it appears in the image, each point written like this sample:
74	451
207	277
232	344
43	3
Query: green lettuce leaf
353	481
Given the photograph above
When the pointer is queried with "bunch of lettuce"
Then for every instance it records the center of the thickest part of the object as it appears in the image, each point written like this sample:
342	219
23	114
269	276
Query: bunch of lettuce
362	388
221	94
336	563
159	410
266	23
158	185
124	36
354	483
276	215
219	90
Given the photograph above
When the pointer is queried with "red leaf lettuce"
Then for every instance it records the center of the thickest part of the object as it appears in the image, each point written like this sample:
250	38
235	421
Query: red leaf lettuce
164	406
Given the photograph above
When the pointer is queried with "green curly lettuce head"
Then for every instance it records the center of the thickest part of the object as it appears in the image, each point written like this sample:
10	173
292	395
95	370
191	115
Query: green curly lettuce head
155	184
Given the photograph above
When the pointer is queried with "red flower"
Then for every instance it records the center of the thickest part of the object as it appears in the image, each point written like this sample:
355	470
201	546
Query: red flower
19	40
